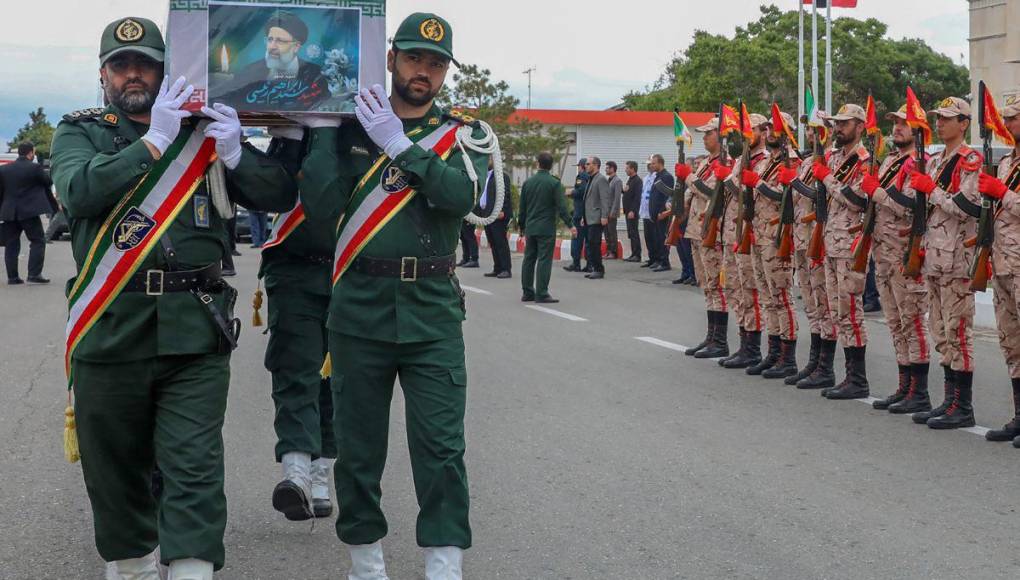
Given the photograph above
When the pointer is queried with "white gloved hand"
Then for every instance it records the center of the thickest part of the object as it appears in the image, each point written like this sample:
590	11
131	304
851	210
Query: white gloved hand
315	121
292	133
376	115
226	129
166	114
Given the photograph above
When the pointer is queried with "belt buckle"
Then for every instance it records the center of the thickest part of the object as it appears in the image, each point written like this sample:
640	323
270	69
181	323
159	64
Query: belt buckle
151	275
411	263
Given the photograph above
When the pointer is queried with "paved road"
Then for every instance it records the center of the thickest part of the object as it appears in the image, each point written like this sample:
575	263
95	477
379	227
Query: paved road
595	451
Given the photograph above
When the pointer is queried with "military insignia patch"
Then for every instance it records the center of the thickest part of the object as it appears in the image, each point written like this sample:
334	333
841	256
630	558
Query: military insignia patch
202	203
433	30
946	102
433	121
110	118
1012	100
129	31
394	180
132	230
358	150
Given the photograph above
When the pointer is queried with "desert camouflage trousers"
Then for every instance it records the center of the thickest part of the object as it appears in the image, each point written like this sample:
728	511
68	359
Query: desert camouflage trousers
811	279
741	294
1007	319
708	264
844	287
903	302
951	314
774	277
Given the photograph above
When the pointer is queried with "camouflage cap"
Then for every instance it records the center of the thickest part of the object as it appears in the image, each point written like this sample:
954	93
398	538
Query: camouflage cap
131	34
845	113
787	118
1012	107
425	31
952	107
757	120
900	114
712	125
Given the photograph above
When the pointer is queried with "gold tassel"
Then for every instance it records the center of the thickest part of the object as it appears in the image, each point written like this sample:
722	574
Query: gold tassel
256	304
327	367
70	436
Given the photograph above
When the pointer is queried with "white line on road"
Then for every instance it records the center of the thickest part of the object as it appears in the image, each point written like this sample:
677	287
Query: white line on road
979	430
662	343
475	290
570	317
867	400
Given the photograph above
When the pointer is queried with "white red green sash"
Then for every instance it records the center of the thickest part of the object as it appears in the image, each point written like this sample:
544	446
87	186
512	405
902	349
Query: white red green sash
380	195
284	225
132	230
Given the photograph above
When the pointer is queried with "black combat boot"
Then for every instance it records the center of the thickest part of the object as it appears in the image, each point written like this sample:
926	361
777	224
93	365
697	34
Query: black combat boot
1010	430
917	400
949	388
812	362
708	336
901	390
771	357
787	364
822	377
752	353
856	384
846	376
718	345
960	413
740	352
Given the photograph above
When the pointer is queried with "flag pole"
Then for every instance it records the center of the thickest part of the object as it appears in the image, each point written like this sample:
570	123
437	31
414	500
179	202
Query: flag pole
828	56
814	48
800	73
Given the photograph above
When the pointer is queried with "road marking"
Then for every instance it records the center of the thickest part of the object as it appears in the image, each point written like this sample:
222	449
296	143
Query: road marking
979	430
570	317
475	290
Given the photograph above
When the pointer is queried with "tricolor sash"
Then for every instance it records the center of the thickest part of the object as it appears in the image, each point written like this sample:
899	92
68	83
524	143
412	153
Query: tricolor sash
381	194
284	225
132	229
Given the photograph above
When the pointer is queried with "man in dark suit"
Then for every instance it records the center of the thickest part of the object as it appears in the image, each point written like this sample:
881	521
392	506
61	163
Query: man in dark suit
598	202
496	231
581	239
632	210
24	196
656	206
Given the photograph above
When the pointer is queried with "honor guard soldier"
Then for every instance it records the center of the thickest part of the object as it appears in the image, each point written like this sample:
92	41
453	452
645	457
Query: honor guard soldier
1006	263
903	297
707	261
397	307
951	186
151	328
542	201
842	173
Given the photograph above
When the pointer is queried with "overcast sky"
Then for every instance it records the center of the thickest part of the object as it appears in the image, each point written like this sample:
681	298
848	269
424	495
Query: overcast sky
587	54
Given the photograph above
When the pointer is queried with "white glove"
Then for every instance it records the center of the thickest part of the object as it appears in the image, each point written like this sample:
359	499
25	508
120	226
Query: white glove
226	129
380	122
292	133
315	121
166	114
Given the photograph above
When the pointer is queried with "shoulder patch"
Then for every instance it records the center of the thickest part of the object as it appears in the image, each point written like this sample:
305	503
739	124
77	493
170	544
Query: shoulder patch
83	114
461	117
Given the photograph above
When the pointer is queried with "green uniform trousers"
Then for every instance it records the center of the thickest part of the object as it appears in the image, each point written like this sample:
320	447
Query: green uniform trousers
535	279
296	350
434	380
132	415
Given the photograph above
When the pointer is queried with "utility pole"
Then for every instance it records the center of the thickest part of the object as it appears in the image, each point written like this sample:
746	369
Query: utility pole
529	72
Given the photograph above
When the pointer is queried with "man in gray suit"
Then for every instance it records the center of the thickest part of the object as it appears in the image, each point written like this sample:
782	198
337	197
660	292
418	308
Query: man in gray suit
616	191
598	203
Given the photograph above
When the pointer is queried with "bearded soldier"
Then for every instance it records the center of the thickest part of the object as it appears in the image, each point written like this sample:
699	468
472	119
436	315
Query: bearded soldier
150	378
707	261
396	308
1006	264
842	173
903	298
951	186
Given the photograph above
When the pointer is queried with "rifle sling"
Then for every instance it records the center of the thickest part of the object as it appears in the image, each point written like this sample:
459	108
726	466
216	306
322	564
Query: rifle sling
895	195
768	192
851	196
967	206
804	189
703	188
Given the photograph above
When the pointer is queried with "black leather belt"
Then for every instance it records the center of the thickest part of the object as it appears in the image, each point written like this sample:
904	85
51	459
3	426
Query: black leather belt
408	269
318	259
158	282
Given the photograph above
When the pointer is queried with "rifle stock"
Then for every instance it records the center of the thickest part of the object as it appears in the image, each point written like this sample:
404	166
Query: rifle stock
674	231
816	245
915	256
979	270
862	252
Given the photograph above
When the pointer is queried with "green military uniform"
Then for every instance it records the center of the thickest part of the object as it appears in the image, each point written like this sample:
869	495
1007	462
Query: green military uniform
150	379
542	200
296	274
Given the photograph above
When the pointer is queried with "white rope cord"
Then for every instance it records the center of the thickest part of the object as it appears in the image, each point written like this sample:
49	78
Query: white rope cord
486	145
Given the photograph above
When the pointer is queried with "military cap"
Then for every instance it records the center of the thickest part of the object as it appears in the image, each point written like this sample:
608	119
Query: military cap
787	118
1012	107
425	31
845	113
712	125
757	120
131	34
901	114
822	115
952	107
289	22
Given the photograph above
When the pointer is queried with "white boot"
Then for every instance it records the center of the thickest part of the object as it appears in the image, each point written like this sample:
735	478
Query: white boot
144	568
322	506
292	496
443	563
367	562
191	569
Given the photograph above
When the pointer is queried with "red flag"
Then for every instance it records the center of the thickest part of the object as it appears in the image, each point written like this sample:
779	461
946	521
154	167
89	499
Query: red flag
993	120
729	121
780	127
836	3
916	116
871	126
745	123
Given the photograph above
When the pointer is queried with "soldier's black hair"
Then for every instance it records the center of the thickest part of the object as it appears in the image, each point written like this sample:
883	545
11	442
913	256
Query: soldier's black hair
611	164
545	160
25	148
632	165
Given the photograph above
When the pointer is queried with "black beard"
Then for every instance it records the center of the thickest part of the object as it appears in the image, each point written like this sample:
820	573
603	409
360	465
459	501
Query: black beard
132	103
903	143
773	144
841	140
403	90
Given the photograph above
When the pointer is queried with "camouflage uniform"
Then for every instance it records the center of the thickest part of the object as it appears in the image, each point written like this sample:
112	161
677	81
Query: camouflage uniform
810	273
1006	283
774	274
707	261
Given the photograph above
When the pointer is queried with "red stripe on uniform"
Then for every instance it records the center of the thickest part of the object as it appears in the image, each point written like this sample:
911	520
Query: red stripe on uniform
789	313
961	335
722	297
921	339
853	320
757	310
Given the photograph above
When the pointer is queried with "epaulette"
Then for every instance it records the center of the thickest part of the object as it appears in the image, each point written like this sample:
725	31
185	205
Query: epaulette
862	153
461	117
972	160
83	114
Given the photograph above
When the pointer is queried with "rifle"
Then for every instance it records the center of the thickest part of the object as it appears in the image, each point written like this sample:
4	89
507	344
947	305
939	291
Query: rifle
679	189
816	245
714	212
784	237
986	222
862	250
745	210
914	257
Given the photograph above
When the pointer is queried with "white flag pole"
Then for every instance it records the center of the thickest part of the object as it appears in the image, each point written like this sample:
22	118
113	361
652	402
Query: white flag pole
828	56
800	73
814	48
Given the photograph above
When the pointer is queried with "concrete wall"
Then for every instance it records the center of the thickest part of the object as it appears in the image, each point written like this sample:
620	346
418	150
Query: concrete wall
994	49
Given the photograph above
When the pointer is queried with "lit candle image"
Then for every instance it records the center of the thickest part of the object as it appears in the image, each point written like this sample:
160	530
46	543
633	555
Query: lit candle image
224	60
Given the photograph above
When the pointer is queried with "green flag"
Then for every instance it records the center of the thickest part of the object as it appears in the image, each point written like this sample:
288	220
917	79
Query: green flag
812	110
680	130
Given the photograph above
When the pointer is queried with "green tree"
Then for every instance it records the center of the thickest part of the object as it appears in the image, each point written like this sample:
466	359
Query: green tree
38	130
759	65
